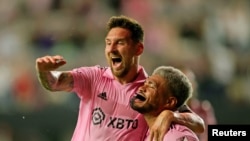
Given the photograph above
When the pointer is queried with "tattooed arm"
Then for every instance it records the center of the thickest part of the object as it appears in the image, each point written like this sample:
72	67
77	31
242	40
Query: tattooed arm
190	119
49	78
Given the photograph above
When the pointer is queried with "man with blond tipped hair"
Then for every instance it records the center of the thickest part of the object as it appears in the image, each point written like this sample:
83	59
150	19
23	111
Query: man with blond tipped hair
166	89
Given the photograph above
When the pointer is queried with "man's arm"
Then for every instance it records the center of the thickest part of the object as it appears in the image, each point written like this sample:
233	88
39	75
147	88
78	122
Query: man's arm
50	79
190	119
185	117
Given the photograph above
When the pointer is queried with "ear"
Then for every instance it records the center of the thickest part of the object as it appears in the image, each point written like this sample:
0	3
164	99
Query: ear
171	103
140	48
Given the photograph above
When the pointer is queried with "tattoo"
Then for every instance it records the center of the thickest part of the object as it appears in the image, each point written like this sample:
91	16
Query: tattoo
65	82
47	80
62	77
58	82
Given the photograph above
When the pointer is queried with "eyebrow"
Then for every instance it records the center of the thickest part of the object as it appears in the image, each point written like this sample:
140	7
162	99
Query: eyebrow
151	81
116	39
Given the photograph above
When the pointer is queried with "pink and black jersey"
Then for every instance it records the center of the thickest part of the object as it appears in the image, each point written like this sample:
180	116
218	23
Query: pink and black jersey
105	113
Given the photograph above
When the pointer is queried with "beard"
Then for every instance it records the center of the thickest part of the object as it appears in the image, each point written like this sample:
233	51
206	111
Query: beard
120	73
145	108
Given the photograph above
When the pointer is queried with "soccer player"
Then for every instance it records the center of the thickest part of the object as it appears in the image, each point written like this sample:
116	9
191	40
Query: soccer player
166	89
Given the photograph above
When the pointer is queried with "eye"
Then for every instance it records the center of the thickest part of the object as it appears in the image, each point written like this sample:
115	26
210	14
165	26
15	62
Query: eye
108	43
152	85
149	84
121	42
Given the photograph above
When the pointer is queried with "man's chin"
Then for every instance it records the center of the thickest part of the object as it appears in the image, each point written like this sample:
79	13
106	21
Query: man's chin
135	105
118	73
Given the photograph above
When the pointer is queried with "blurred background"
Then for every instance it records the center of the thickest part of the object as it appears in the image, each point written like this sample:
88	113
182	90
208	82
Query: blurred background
211	37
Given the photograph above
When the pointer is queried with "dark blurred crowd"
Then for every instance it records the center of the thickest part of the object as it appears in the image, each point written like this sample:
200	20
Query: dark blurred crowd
211	37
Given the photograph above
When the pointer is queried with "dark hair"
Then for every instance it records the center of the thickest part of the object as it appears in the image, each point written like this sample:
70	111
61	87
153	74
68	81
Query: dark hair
137	33
176	82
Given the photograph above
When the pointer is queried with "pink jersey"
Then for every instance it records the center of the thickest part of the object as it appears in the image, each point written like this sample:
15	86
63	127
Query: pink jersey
179	132
104	111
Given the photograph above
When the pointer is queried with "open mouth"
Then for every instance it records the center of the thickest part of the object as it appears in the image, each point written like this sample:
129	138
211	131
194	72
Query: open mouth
140	97
116	60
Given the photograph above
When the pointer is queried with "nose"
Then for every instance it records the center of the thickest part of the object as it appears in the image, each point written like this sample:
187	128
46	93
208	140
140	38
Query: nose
141	89
111	47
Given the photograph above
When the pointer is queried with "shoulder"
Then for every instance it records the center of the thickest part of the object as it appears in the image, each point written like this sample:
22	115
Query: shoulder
96	67
180	133
88	73
89	69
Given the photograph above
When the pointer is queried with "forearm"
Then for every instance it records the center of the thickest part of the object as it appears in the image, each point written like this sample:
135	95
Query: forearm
48	80
191	120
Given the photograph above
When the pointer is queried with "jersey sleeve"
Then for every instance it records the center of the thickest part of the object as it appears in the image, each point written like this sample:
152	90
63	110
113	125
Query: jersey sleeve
84	78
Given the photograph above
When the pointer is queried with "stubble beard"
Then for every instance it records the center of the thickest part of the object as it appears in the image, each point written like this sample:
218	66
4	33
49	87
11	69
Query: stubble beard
120	73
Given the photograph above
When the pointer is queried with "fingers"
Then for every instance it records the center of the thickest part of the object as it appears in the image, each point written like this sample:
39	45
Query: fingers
161	136
154	136
58	59
161	126
151	136
50	59
48	63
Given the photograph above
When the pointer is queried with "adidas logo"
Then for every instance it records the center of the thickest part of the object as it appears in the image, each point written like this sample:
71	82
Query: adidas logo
103	95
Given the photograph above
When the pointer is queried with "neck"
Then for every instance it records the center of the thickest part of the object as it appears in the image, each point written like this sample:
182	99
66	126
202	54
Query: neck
150	119
130	76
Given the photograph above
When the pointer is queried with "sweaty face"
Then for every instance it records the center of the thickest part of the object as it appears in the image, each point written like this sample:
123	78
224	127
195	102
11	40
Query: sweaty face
150	97
120	51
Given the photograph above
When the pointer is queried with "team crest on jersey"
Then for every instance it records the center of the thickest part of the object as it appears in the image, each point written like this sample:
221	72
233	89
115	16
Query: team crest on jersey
97	116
